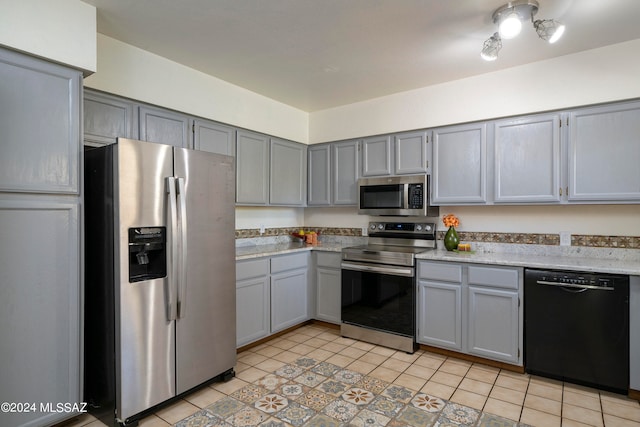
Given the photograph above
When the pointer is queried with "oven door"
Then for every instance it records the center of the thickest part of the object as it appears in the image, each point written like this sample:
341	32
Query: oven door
379	297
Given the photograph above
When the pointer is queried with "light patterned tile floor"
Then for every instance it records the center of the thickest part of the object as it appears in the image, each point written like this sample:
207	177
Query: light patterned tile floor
313	377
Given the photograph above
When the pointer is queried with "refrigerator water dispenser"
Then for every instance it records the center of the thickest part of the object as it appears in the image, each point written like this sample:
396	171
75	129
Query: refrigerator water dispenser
147	253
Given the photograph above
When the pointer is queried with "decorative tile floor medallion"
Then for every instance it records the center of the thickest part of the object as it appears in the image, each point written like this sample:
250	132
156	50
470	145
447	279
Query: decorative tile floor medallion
308	393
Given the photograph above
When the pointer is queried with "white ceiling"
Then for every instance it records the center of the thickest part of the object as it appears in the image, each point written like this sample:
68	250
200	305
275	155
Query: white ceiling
317	54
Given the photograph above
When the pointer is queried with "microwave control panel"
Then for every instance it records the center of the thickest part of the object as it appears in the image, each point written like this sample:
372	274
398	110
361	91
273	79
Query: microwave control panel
416	196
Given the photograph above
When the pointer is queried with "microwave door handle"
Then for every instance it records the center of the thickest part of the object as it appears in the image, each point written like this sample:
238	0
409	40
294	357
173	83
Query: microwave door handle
405	196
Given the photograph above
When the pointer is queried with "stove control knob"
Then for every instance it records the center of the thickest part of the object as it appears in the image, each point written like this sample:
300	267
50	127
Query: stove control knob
427	227
419	227
380	226
372	226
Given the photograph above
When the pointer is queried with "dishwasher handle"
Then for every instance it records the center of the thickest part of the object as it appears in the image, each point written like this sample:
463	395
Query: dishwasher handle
582	288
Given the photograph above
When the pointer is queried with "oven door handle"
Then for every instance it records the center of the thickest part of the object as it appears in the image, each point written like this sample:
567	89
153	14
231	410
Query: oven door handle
372	268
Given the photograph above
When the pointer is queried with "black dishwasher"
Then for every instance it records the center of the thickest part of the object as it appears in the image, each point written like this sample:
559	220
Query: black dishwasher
577	327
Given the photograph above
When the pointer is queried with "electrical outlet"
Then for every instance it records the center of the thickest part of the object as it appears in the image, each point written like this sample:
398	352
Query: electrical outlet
364	231
565	238
261	228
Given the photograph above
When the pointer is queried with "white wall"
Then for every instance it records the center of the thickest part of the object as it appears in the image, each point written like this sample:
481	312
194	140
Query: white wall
135	73
599	75
60	30
256	217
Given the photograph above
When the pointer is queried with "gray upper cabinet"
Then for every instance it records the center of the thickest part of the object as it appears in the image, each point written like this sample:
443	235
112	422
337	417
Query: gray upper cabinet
288	173
345	158
40	237
401	154
319	181
333	174
527	159
164	127
214	137
411	153
108	117
376	156
252	168
604	153
40	122
460	165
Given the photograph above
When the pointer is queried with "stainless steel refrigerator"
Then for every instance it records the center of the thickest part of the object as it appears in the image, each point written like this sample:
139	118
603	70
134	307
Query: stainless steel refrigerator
159	275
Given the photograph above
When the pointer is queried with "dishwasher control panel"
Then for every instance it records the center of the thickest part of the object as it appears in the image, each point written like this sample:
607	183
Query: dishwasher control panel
579	279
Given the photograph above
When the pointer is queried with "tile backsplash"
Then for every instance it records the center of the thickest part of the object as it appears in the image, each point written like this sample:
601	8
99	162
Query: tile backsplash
595	241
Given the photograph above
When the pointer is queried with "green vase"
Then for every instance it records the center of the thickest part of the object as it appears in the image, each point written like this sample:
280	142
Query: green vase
451	239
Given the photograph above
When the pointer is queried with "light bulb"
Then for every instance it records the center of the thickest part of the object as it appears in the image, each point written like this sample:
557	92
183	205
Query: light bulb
549	29
556	36
491	48
510	26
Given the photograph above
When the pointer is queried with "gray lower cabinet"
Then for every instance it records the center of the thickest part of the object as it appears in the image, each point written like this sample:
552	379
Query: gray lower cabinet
287	173
471	309
328	286
440	305
271	295
108	117
459	173
164	127
604	153
252	168
214	137
289	290
527	159
40	238
494	317
253	307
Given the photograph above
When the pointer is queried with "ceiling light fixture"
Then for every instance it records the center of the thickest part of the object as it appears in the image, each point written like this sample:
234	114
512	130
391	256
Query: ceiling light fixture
509	18
549	29
491	48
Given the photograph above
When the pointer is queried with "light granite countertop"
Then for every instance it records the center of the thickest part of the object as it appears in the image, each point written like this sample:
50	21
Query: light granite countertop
258	251
572	262
612	261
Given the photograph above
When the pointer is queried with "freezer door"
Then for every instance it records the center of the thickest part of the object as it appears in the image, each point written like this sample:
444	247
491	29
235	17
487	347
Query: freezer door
145	338
205	329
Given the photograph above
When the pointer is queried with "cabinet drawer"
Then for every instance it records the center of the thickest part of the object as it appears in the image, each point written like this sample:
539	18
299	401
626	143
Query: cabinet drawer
252	268
494	276
447	272
289	262
328	259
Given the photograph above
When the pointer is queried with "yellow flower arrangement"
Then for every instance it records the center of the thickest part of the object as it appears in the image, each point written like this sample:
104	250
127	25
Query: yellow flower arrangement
450	220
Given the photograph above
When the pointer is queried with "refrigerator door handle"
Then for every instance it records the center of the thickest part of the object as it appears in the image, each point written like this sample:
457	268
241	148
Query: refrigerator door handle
182	262
172	277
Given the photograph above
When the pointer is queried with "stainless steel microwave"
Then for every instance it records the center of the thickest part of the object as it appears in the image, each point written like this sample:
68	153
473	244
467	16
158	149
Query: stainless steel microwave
406	195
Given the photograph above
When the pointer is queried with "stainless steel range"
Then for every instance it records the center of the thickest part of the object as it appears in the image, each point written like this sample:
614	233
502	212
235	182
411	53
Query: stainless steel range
379	284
